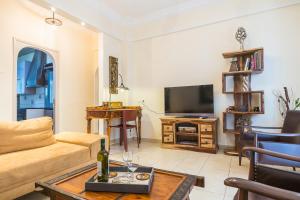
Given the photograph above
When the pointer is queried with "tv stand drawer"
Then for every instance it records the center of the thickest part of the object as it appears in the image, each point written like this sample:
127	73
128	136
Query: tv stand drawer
206	128
168	139
206	143
167	128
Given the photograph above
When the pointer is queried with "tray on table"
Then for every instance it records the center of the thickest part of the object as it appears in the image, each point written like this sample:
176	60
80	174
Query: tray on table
133	186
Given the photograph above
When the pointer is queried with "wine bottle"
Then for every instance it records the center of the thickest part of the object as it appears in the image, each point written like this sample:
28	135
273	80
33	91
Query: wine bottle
102	163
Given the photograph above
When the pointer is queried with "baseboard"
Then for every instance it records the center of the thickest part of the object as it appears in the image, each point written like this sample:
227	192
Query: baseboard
151	140
116	141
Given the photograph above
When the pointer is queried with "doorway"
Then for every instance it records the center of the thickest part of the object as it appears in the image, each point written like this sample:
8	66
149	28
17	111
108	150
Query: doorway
35	84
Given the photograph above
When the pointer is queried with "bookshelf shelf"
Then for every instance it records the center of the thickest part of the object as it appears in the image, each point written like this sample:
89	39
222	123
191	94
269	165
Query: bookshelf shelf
241	53
243	92
244	113
246	73
246	101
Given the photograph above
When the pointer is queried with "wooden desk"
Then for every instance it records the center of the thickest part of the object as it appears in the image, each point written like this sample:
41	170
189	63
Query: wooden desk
108	114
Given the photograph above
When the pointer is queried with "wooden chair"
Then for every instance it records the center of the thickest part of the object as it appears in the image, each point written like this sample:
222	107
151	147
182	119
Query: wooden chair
128	116
291	125
267	182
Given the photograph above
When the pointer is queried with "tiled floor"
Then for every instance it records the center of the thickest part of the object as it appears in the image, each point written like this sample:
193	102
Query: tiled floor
215	168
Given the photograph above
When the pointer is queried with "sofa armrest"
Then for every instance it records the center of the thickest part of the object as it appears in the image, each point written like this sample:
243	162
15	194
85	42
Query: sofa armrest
91	141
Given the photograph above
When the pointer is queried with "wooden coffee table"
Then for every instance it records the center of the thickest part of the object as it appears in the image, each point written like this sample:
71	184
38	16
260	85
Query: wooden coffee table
166	185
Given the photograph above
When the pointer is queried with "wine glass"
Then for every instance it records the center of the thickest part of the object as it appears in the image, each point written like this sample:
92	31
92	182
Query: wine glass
132	166
127	158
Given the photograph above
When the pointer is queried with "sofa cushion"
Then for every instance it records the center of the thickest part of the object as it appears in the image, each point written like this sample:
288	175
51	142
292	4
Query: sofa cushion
89	140
18	168
27	134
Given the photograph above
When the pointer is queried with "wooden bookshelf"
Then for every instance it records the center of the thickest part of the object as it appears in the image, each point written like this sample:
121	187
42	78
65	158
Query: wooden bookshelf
246	101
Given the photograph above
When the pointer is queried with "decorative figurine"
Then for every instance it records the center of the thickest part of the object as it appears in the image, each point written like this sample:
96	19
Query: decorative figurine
234	65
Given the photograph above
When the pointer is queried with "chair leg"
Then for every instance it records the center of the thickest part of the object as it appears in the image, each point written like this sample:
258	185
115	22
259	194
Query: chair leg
121	136
137	137
125	137
240	158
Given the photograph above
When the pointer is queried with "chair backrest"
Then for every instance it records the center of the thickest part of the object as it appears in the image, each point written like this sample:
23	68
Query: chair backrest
292	122
278	178
285	148
129	115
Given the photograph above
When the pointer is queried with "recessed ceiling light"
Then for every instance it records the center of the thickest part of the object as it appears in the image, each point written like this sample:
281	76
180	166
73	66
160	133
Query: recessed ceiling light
82	24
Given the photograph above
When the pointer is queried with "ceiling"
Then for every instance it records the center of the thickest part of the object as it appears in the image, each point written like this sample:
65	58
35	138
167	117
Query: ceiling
135	11
140	8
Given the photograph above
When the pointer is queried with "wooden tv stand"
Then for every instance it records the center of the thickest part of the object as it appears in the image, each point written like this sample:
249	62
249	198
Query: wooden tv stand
194	134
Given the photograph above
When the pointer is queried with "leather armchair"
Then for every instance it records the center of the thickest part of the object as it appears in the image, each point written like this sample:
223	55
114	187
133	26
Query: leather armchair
291	125
265	182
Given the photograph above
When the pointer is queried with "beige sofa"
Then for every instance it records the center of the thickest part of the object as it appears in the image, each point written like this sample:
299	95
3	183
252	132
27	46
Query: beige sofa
23	160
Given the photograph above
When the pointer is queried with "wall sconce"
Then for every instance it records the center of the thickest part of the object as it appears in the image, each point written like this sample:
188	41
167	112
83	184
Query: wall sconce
122	87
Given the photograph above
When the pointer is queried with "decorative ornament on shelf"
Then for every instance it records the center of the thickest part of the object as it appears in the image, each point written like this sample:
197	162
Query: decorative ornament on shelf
286	103
243	123
240	36
234	65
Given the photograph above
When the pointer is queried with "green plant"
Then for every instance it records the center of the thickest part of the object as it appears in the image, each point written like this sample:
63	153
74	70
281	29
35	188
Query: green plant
285	102
297	104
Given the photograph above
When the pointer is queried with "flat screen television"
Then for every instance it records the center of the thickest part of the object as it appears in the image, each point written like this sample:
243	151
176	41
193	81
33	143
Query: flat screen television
189	100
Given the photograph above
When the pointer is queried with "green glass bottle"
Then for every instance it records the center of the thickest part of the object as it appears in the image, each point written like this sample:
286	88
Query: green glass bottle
102	163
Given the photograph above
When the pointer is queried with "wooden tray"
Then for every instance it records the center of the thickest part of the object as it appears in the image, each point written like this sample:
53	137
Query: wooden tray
140	187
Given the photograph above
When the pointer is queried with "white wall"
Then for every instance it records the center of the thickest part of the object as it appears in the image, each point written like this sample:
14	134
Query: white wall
75	46
93	12
109	46
193	14
194	56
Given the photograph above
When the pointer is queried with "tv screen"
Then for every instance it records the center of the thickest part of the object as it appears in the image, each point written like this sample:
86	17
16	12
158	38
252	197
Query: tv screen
189	99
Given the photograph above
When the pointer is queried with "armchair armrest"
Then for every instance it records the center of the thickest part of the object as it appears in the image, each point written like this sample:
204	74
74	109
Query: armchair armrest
276	134
261	127
265	127
262	189
272	153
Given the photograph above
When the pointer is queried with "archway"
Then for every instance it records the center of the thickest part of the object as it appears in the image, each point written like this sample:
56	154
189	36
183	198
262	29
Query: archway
35	84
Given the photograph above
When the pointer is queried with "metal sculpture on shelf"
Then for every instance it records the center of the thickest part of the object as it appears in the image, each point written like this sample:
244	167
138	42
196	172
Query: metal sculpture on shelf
240	36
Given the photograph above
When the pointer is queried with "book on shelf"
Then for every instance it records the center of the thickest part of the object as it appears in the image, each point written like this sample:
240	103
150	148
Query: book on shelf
256	61
253	62
247	64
